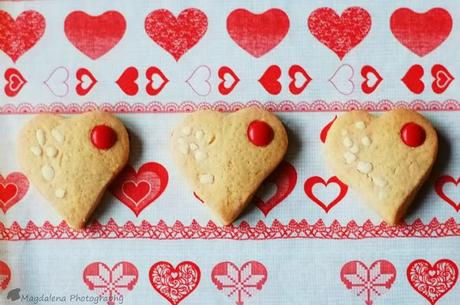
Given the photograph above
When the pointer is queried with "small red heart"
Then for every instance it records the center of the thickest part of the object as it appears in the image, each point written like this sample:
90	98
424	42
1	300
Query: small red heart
340	33
20	35
14	82
127	81
326	206
257	34
366	71
83	87
176	35
439	188
413	79
227	75
94	36
293	72
5	275
12	189
421	32
442	78
138	190
270	80
284	177
149	74
325	130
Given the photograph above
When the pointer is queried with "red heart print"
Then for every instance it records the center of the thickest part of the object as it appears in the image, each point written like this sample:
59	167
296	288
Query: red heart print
413	79
127	81
270	80
439	188
325	130
176	35
110	283
366	85
174	284
432	281
151	88
421	32
20	35
340	33
326	206
293	72
86	81
14	82
257	34
239	283
138	190
12	189
5	275
227	75
368	282
442	78
284	178
94	36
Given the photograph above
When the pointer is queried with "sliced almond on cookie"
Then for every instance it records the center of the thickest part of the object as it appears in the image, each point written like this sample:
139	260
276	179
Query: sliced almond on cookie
72	160
385	158
226	157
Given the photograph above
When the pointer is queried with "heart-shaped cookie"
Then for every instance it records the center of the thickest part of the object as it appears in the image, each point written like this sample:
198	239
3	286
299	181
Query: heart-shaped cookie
385	158
72	160
226	157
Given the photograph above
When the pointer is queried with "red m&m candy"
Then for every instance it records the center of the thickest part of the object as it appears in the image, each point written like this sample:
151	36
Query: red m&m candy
412	134
260	133
103	137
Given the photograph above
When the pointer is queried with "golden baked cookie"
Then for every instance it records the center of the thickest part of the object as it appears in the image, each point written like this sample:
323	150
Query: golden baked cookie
225	157
72	160
386	158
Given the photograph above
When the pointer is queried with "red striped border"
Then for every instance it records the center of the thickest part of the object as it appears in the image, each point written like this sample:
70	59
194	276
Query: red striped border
277	230
282	106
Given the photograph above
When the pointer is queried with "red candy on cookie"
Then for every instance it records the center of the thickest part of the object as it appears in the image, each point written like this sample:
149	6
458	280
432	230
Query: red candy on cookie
260	133
103	137
412	134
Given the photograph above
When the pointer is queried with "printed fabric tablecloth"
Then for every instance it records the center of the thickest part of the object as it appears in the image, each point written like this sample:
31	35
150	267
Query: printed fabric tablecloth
307	238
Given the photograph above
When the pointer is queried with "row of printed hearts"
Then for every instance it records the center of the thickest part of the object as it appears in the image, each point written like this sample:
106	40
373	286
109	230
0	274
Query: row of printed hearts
257	34
200	80
135	191
431	281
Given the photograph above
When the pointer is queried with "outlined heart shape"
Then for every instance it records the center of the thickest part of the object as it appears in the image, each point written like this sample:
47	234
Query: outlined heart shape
369	85
340	33
432	281
311	182
325	130
421	33
294	72
439	188
442	78
5	275
137	190
413	79
270	80
20	35
152	88
174	284
257	34
284	178
240	283
58	81
199	80
368	282
127	81
342	79
110	283
14	82
94	36
86	81
12	189
176	35
228	80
